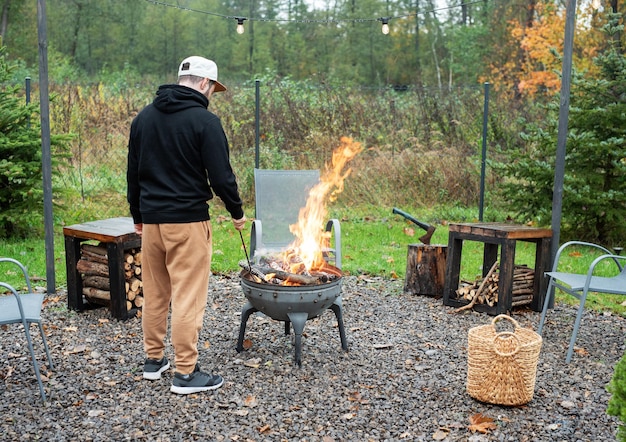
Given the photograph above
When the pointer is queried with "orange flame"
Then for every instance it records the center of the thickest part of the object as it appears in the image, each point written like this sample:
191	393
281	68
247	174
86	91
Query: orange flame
311	239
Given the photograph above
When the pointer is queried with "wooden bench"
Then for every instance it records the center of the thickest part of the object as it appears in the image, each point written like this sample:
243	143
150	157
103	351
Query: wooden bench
496	236
119	235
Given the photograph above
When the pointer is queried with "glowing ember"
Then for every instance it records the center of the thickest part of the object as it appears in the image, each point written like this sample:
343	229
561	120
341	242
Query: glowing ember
306	252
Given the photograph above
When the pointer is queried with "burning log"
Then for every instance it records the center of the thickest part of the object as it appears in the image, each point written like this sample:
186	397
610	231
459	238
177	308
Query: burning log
485	290
94	267
268	273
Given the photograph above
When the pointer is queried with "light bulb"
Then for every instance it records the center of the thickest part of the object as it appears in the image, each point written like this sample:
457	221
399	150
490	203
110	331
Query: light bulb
385	21
240	29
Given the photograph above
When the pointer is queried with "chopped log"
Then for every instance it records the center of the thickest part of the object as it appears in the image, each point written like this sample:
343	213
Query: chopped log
134	284
94	257
132	294
138	258
138	301
425	269
99	282
129	258
293	277
129	305
96	250
480	289
97	296
92	268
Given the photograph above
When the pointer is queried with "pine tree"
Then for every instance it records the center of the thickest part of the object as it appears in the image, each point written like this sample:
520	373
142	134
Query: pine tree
21	189
594	200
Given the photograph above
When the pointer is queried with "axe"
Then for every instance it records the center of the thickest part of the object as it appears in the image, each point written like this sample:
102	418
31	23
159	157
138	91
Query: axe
429	229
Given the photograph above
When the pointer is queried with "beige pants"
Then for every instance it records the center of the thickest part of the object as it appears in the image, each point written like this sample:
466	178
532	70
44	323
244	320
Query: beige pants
176	266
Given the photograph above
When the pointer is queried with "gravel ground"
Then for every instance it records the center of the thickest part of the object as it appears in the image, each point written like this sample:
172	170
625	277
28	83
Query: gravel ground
403	377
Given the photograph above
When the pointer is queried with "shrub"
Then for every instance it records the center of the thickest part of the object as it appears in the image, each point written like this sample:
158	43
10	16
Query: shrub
21	191
617	403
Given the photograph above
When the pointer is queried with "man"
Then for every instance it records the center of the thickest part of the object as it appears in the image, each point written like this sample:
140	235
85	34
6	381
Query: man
178	156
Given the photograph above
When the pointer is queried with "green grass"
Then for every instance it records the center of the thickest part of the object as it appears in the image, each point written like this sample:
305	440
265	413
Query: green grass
374	242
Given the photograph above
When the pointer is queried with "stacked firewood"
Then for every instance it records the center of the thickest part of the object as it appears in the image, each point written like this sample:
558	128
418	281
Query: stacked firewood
94	267
485	290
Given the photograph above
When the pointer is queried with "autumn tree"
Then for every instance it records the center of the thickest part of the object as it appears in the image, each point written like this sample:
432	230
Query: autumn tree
594	201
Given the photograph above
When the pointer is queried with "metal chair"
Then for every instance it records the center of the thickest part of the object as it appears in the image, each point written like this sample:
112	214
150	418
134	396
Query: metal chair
279	196
24	309
579	285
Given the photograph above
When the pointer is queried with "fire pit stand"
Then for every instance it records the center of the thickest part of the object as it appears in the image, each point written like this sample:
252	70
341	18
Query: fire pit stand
293	305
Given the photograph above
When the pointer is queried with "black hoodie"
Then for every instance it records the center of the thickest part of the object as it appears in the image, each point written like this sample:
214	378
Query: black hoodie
177	154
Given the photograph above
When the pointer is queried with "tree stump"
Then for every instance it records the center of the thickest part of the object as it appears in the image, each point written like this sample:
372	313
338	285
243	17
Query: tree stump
425	269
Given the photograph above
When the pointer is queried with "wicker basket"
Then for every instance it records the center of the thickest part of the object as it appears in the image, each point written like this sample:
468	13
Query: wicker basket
501	366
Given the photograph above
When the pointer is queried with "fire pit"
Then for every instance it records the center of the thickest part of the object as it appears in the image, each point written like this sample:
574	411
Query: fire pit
293	305
298	283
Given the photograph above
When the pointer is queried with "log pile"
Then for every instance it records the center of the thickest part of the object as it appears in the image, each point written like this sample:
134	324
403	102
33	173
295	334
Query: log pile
94	268
485	290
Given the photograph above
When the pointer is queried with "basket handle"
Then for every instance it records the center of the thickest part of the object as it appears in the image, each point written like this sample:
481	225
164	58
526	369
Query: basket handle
497	318
502	335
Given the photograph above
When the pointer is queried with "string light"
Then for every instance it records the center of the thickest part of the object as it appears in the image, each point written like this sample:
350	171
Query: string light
240	20
385	27
240	29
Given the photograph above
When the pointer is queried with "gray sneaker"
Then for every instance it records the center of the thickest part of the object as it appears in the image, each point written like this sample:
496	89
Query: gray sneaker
153	368
195	382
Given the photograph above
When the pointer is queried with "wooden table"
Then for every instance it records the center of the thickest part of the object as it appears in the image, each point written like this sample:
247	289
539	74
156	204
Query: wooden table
503	237
119	235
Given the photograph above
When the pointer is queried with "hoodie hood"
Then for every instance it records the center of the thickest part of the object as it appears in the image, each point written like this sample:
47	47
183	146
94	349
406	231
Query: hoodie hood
172	98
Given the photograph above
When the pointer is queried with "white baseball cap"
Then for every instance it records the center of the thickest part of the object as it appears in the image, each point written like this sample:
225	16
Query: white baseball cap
201	67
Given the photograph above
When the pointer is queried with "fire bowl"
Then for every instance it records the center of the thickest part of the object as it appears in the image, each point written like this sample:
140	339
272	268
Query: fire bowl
293	305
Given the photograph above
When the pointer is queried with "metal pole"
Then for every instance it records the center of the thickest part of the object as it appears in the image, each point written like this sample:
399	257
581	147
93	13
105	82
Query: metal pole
28	98
559	165
46	160
483	162
257	124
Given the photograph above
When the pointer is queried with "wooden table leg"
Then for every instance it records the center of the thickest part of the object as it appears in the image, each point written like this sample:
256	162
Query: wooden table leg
117	281
505	284
542	265
453	267
74	280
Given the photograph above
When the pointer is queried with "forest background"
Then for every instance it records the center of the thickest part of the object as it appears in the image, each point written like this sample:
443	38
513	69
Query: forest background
414	98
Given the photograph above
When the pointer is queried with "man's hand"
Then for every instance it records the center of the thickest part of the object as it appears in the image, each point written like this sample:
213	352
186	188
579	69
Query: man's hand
139	229
239	223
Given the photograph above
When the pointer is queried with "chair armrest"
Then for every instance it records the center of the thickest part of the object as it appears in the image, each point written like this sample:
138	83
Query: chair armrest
334	225
576	243
23	270
599	259
256	233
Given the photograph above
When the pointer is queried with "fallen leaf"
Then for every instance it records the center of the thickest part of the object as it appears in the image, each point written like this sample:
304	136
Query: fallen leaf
382	346
77	349
103	320
250	401
206	344
71	329
241	413
247	344
348	416
481	423
408	231
265	429
253	363
441	434
581	351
